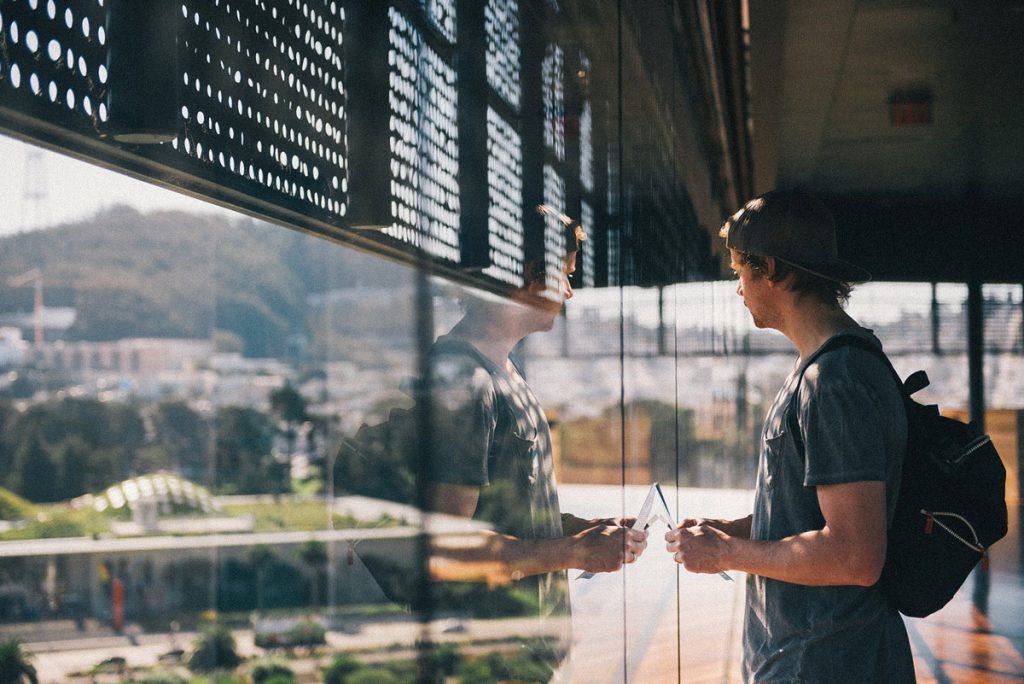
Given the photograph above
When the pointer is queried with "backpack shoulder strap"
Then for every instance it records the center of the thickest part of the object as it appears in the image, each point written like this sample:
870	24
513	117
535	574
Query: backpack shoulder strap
836	342
454	346
448	345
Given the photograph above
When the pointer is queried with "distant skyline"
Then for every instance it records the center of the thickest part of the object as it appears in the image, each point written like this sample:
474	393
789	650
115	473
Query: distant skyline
74	190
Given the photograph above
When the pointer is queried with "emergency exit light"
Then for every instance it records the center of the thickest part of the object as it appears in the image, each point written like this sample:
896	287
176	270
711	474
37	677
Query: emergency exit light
910	107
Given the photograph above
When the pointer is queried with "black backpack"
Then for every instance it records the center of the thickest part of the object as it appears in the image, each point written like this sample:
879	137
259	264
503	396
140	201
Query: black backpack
951	505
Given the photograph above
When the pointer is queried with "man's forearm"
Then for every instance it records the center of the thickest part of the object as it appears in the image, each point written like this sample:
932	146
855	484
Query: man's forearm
499	558
739	528
572	525
814	558
527	557
848	550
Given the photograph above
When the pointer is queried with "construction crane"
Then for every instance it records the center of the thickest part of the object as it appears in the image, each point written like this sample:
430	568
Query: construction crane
34	276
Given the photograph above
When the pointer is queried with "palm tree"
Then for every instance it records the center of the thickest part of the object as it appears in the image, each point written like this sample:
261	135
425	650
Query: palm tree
15	667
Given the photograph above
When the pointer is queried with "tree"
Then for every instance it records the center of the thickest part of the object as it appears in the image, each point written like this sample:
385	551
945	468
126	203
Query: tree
183	433
9	418
313	553
72	457
102	436
35	475
290	409
15	664
101	425
261	558
243	453
288	405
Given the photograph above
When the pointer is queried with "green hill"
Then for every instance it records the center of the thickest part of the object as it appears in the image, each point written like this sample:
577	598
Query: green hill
175	274
166	274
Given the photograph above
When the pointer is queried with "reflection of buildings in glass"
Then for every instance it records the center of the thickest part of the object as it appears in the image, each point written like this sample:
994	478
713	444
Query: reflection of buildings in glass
166	574
13	347
146	356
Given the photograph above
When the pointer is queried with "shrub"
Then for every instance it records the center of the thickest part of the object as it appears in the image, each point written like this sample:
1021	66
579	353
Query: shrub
446	658
281	679
15	663
272	670
159	677
372	675
340	668
307	633
215	649
475	672
219	677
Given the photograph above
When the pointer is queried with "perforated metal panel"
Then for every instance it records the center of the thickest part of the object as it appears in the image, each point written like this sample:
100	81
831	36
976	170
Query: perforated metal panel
590	196
587	147
506	239
505	200
552	76
441	14
263	96
589	262
554	232
262	118
424	142
501	22
53	60
553	98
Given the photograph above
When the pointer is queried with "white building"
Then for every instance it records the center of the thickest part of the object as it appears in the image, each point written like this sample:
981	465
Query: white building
13	347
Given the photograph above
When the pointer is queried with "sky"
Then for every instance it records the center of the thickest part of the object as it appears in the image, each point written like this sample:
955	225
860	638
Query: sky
72	190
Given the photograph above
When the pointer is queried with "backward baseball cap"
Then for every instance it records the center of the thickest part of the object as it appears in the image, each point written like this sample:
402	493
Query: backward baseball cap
795	227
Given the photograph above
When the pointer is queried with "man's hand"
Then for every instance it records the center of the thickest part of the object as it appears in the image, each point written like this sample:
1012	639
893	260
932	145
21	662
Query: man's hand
699	548
734	528
622	521
604	548
572	525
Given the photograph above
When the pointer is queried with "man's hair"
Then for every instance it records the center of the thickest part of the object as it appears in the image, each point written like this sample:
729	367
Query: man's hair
534	269
831	292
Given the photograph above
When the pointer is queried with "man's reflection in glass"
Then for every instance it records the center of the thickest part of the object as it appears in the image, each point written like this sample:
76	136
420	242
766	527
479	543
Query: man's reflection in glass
493	455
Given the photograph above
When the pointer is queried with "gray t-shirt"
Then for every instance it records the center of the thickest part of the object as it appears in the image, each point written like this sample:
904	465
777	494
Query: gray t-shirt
491	433
853	427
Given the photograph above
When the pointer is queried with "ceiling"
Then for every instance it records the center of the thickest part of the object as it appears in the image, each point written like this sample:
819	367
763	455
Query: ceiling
941	198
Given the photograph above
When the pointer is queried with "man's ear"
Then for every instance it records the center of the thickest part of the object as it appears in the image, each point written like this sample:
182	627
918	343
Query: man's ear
769	270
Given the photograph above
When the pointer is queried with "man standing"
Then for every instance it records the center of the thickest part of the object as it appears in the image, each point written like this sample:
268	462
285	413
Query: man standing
493	462
493	457
815	545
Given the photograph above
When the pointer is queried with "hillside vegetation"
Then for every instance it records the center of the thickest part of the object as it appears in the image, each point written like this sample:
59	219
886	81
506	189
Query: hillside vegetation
174	274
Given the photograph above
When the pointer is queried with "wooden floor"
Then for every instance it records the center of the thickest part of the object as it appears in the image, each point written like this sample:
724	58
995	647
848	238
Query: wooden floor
961	644
979	636
635	629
